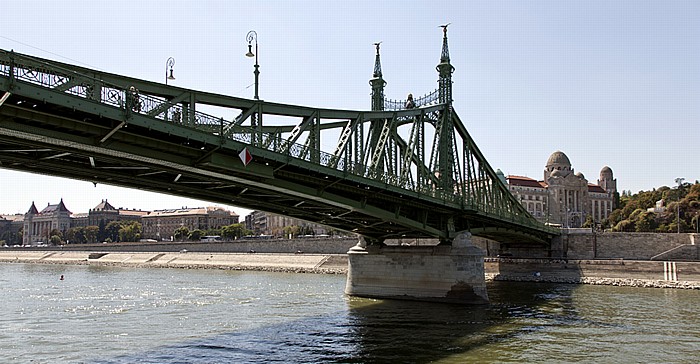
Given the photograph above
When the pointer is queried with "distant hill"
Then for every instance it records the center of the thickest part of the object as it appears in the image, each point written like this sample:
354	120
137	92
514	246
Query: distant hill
658	210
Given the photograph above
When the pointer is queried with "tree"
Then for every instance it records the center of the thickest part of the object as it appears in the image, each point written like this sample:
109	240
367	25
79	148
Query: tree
195	235
112	230
645	222
181	233
102	233
130	231
91	234
624	226
56	240
76	235
56	232
233	231
292	230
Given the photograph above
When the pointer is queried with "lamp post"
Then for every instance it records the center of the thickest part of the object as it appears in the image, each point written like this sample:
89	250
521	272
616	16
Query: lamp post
169	65
253	36
679	180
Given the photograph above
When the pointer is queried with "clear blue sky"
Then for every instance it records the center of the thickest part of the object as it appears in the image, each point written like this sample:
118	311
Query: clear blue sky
607	82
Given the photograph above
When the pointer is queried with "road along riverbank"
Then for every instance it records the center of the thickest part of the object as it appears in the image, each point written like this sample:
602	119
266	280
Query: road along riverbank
615	272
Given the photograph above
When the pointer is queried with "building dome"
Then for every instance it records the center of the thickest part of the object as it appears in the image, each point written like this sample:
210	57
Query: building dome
606	173
556	173
558	158
580	175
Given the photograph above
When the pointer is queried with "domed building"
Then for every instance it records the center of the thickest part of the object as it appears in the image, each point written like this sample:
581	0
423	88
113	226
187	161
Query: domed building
563	197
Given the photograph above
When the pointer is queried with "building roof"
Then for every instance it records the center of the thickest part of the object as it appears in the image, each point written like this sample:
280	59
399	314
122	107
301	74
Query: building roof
13	217
103	206
596	188
60	207
524	182
133	212
187	211
32	209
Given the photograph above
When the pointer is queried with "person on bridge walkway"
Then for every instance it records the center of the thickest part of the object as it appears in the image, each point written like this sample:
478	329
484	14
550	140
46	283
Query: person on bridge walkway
134	99
410	104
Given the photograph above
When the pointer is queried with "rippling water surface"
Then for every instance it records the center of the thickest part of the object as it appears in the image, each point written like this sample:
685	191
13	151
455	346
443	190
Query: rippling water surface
127	315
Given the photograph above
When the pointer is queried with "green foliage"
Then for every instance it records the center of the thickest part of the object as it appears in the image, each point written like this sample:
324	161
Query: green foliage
111	231
56	240
292	230
682	206
645	222
624	226
91	234
234	231
130	231
195	235
181	233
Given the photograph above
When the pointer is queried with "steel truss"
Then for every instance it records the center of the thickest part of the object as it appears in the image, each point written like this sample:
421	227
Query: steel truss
361	171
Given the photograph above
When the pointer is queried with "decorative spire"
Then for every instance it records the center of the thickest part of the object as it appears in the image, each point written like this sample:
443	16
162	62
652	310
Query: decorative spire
445	70
377	83
377	63
445	56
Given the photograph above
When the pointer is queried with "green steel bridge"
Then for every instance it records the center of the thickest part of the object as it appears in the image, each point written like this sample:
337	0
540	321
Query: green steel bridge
404	169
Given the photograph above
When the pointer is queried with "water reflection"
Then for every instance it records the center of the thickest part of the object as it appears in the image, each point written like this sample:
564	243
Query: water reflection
420	332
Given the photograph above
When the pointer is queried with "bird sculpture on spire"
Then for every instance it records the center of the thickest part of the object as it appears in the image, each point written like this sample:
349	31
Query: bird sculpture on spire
444	28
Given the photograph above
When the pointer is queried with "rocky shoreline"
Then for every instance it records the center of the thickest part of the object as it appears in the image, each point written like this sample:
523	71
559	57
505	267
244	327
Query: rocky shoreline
622	282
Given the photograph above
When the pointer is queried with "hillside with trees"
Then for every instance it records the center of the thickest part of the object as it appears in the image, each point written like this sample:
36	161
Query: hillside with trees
660	210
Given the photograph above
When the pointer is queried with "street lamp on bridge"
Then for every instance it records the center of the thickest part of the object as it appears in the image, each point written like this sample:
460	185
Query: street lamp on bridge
679	180
169	65
253	36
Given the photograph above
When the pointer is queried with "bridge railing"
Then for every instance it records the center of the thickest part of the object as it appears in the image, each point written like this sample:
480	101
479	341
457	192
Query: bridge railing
430	98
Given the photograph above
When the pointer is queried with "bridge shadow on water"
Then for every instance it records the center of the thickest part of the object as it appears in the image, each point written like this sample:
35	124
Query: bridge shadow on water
376	331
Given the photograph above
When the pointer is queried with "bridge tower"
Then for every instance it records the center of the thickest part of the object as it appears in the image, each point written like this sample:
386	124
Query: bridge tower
443	163
452	271
377	83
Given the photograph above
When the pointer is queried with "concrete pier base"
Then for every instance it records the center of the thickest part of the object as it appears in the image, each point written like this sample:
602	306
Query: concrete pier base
442	273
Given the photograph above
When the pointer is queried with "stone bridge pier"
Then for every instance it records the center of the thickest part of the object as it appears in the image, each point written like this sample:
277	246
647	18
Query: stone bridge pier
443	273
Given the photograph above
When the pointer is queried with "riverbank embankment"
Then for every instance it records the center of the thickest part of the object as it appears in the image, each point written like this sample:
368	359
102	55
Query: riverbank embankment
615	272
293	263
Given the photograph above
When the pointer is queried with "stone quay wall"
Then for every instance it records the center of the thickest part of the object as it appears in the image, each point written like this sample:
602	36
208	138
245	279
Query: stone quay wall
310	246
630	246
585	244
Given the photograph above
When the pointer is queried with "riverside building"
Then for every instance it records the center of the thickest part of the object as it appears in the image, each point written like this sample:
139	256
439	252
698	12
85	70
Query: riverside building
38	225
563	197
263	223
161	224
104	213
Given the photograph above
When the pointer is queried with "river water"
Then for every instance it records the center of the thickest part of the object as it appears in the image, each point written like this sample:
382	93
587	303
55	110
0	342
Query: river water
135	315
